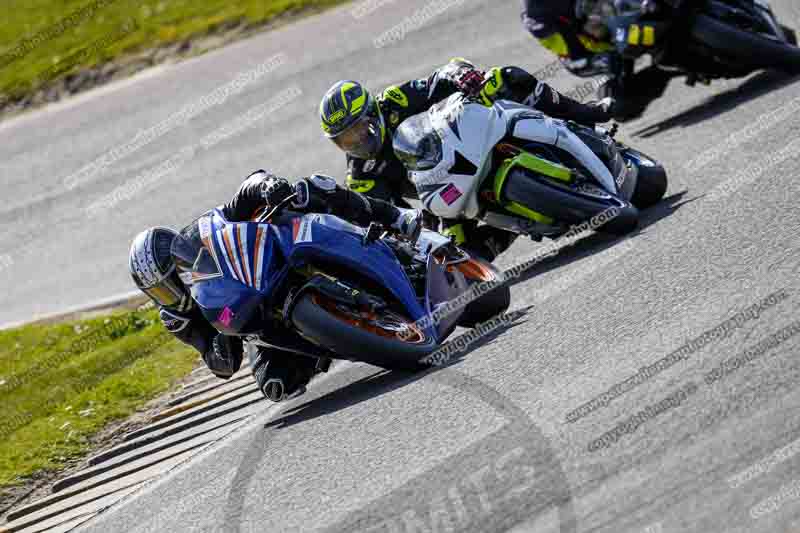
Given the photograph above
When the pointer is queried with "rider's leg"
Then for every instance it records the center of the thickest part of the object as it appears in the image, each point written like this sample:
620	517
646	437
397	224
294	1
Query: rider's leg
489	242
484	241
552	24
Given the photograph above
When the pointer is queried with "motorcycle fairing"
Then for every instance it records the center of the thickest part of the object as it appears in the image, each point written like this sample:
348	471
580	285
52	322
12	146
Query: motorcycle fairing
252	265
472	131
319	238
439	291
255	258
465	130
555	132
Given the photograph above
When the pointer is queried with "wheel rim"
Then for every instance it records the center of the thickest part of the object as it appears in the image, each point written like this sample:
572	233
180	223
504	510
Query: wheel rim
473	270
387	324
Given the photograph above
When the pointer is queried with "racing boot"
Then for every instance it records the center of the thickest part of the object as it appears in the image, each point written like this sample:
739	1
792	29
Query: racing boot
282	375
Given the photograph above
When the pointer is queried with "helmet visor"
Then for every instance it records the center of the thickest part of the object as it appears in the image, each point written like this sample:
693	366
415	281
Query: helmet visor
166	292
362	139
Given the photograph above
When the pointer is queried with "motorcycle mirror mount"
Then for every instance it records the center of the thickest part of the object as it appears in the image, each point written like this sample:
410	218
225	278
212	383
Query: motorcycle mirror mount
374	232
277	209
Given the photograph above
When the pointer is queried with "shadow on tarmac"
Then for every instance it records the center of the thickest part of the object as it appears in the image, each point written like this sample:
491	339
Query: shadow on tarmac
385	381
754	87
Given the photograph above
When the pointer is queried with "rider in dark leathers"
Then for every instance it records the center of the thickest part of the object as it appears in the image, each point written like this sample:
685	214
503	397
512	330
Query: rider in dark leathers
278	373
555	24
575	31
363	126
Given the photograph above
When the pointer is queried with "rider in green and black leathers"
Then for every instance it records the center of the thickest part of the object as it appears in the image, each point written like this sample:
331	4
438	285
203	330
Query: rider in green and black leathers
362	126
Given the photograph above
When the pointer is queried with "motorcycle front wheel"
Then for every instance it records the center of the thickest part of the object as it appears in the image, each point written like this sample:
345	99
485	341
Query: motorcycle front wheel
381	338
489	305
651	184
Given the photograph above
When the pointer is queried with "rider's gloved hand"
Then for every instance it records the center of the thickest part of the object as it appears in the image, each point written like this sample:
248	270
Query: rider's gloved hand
608	105
275	190
409	223
491	87
597	112
224	357
469	81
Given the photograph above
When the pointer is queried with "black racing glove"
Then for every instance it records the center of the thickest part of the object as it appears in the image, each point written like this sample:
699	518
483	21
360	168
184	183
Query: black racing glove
608	105
493	87
224	357
275	190
469	81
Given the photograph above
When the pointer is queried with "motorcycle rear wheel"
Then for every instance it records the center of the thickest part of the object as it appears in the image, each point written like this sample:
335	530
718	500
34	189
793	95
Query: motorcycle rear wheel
567	207
746	48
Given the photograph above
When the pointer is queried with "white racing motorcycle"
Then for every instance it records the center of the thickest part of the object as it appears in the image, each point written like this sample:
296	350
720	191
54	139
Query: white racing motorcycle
515	168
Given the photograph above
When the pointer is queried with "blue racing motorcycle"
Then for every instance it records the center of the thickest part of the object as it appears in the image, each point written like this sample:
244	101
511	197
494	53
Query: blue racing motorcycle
318	286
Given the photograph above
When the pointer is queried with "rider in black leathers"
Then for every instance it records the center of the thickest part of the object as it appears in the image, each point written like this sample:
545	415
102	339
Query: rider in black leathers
278	373
584	51
575	31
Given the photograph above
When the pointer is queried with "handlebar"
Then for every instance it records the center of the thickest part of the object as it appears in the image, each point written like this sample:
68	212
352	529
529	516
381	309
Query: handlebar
277	209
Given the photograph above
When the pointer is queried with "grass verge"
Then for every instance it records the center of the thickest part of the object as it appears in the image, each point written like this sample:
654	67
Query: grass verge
61	384
42	41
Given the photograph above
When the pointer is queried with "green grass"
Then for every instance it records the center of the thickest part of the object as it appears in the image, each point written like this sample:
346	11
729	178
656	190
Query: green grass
100	35
61	384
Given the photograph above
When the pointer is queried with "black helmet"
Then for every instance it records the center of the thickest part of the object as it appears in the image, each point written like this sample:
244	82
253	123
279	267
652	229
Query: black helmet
153	269
351	118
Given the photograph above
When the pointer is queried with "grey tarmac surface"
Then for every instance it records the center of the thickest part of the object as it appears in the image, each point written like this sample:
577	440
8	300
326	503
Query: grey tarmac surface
483	444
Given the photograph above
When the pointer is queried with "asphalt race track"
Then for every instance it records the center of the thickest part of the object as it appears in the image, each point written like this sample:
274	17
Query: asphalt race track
486	443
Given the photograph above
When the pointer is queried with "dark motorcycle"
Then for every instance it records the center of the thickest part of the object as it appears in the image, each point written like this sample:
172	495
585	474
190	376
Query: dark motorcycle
702	40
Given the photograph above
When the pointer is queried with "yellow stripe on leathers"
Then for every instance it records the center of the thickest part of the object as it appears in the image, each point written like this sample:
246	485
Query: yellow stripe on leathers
649	38
556	44
634	34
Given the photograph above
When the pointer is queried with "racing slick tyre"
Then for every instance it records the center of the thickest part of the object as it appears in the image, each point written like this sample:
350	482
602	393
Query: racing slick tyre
651	184
790	34
750	49
543	196
488	305
385	339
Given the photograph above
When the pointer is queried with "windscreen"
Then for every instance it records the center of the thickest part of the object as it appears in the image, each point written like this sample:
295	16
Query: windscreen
600	11
417	144
193	260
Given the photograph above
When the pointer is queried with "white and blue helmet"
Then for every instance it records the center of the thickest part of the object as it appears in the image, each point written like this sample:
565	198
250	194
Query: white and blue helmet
153	270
